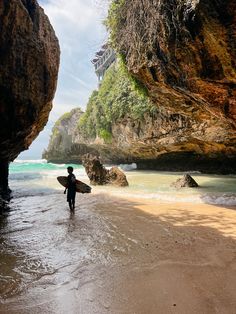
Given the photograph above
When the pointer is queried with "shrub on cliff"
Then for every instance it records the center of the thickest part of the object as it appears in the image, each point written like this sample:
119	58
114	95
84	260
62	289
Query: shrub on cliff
115	99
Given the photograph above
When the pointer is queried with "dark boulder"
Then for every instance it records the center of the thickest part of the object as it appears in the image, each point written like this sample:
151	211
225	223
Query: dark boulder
96	172
117	177
185	181
99	175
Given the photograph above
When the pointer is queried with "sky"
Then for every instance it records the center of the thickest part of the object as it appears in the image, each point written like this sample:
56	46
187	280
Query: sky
79	28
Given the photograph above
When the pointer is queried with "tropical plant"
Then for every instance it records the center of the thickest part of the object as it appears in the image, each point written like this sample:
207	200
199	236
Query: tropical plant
115	99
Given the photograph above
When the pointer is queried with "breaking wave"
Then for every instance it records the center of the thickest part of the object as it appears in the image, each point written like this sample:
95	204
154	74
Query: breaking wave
37	177
25	176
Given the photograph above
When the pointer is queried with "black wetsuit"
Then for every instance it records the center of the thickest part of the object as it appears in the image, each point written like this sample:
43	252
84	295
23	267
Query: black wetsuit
71	190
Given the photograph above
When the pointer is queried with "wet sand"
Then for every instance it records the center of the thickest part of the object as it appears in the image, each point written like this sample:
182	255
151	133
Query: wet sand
117	256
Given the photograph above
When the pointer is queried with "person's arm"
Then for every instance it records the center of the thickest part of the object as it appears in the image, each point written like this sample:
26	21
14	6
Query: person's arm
68	178
73	178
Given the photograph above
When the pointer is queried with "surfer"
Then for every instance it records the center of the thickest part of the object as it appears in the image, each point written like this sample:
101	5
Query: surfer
71	188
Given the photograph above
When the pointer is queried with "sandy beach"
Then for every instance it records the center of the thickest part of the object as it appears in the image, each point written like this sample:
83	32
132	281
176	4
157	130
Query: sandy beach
118	255
117	157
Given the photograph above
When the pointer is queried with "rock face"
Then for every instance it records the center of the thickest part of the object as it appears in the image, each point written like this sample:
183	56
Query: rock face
186	57
158	141
29	61
63	138
99	175
96	172
186	181
117	177
184	54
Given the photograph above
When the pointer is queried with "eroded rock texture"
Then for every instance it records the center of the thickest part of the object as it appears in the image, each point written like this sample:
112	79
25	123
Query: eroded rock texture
185	181
29	61
99	175
184	52
160	140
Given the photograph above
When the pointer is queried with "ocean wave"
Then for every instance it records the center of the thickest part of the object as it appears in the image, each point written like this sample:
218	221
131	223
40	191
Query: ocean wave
59	165
25	176
34	161
223	199
191	172
128	167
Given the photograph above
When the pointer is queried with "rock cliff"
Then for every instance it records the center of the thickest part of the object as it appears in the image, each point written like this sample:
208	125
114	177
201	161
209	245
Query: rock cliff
29	61
157	141
63	139
184	53
120	126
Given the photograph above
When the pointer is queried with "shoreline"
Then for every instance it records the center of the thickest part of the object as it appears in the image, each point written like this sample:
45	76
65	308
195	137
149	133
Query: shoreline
138	256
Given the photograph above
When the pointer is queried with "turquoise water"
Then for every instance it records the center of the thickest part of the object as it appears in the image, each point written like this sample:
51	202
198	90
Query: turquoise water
37	177
36	165
50	257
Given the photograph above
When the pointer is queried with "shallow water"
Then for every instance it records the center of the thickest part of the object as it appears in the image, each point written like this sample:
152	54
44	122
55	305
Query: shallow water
29	178
54	262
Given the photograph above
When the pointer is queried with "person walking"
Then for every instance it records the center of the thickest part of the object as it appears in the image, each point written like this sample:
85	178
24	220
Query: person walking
71	188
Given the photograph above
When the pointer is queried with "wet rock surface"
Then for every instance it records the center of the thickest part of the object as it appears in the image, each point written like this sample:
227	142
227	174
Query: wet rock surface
185	181
96	172
99	175
29	61
117	177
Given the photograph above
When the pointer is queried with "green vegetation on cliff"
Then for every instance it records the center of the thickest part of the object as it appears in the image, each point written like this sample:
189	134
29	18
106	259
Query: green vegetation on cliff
113	23
114	18
116	99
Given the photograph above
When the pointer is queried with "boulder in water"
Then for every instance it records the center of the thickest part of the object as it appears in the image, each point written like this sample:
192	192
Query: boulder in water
117	177
99	175
185	181
96	172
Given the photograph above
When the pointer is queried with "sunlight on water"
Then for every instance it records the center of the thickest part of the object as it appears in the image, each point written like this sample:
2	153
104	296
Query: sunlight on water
39	177
45	249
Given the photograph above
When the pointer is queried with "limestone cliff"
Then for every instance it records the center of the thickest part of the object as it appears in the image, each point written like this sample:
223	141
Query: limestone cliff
122	126
153	142
63	138
29	61
184	53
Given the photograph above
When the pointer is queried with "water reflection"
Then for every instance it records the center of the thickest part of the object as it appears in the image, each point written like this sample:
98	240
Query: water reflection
111	251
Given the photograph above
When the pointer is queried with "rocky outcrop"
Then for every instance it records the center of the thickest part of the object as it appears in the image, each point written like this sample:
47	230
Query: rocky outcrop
63	137
157	141
99	175
184	54
29	61
96	172
117	177
186	181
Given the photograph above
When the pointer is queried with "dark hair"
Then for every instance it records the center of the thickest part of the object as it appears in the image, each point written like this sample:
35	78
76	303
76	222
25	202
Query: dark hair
70	168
